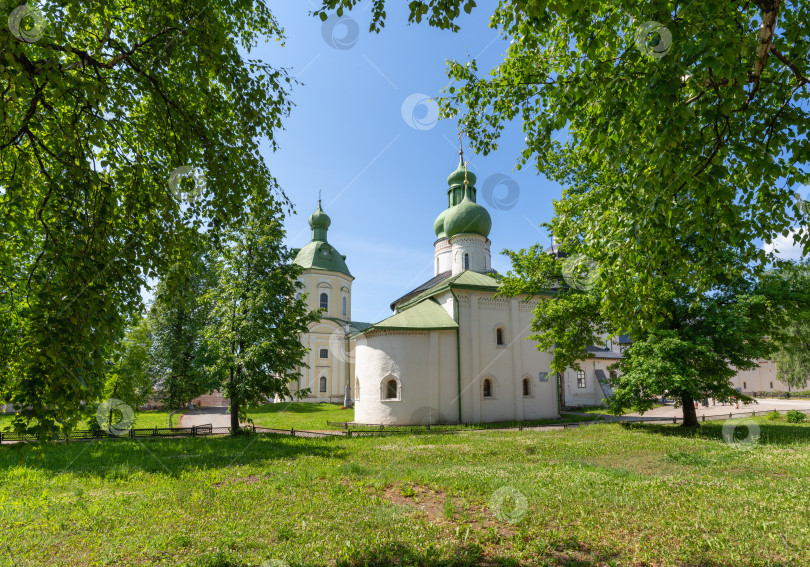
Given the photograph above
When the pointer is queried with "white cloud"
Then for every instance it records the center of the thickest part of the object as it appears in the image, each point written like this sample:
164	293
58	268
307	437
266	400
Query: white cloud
784	247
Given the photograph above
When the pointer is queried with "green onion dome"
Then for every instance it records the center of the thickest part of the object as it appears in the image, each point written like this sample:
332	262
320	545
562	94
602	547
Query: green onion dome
438	226
457	177
467	217
319	219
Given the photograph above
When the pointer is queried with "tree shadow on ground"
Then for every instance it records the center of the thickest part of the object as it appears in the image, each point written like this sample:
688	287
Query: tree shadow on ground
119	458
779	434
468	555
399	554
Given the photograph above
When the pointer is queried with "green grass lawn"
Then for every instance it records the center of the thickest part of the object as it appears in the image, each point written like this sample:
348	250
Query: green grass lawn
598	409
616	494
304	415
143	419
156	418
299	415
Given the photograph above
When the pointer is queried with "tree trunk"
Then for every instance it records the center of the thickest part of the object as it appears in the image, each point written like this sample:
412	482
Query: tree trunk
234	407
234	416
689	413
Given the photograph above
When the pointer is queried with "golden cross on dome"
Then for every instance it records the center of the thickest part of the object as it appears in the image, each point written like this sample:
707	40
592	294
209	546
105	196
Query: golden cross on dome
461	157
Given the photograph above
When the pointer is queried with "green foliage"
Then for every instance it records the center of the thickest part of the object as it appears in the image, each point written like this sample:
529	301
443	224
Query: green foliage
255	318
773	415
440	13
702	342
794	416
97	113
180	357
130	379
670	158
569	321
792	358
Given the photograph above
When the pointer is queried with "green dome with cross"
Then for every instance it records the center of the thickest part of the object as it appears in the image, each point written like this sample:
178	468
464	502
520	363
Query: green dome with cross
319	254
463	215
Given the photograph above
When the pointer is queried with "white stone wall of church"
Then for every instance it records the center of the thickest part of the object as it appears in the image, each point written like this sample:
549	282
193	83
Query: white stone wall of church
759	379
506	366
476	247
592	394
336	286
329	335
423	363
442	257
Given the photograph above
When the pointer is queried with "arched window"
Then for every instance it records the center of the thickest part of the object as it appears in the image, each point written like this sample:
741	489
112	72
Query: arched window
345	306
324	301
437	265
466	261
580	378
391	390
526	387
487	388
499	339
323	384
745	386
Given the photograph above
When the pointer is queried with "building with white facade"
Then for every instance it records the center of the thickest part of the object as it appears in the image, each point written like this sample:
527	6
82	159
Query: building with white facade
328	286
452	351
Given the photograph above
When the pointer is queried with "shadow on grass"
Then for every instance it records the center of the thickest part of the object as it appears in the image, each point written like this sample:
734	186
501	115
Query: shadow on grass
470	555
770	433
119	459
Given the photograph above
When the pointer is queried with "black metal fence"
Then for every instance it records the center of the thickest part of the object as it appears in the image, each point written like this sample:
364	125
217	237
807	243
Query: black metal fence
151	432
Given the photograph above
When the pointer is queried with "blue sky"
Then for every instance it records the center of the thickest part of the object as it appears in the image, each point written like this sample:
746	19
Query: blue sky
382	169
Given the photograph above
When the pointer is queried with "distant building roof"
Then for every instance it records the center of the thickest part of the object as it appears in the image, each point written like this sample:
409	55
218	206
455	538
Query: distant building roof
467	279
600	352
427	285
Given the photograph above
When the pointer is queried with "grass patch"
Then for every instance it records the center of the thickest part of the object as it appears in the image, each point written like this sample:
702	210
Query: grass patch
614	494
143	419
299	415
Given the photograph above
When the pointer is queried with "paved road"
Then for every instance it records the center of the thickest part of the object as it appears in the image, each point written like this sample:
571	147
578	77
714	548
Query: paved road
215	417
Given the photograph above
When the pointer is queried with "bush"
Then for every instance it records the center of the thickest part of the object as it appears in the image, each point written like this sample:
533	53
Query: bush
772	415
794	416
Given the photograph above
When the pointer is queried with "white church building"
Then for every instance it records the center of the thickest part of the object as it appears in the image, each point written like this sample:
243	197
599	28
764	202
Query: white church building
452	352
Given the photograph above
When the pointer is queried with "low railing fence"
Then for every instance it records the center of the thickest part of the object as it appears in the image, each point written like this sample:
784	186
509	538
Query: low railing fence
148	432
371	430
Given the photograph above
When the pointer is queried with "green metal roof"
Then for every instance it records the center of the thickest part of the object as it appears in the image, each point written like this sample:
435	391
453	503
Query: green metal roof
322	256
426	315
465	280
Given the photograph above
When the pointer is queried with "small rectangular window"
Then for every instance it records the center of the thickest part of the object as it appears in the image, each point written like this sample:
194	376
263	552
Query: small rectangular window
324	353
580	379
544	376
771	385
